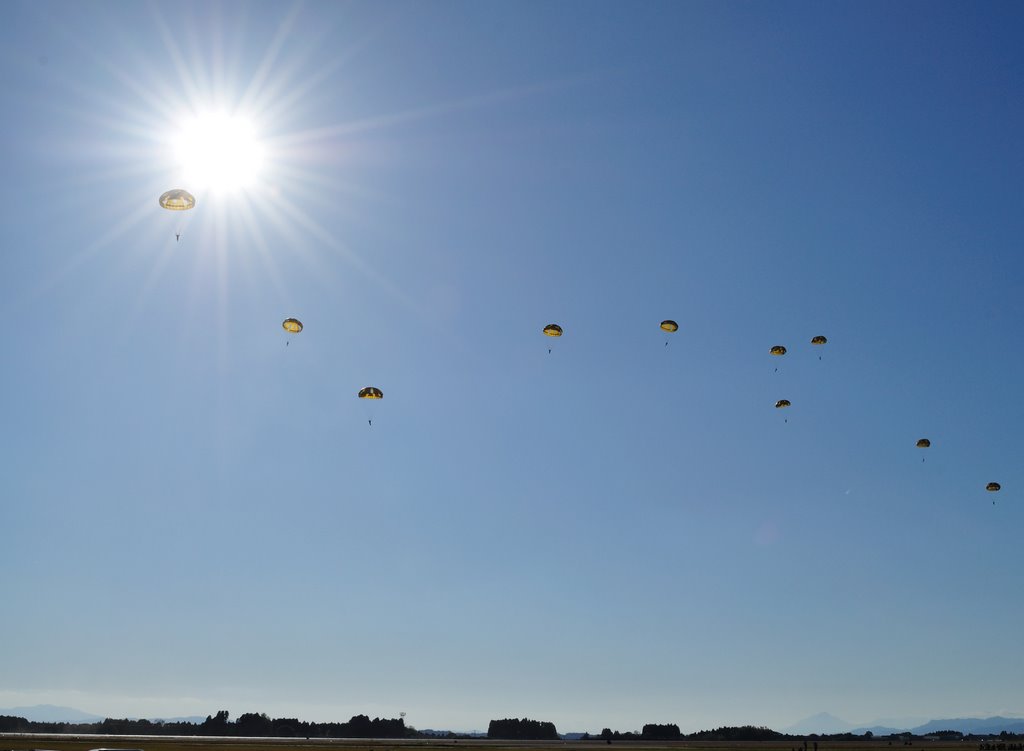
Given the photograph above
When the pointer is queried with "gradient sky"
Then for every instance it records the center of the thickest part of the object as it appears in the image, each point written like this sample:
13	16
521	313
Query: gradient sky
196	517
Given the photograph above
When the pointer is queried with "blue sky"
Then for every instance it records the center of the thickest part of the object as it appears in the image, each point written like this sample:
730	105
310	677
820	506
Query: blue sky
196	517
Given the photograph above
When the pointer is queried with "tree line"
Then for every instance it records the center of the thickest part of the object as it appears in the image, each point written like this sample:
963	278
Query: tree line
522	730
671	732
254	724
246	726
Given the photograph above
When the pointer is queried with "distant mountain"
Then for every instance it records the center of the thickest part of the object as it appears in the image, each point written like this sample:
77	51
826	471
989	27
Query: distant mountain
822	723
890	725
989	726
904	723
826	724
51	713
879	730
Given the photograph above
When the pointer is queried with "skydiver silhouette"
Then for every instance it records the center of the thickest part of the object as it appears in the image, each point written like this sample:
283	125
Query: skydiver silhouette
177	236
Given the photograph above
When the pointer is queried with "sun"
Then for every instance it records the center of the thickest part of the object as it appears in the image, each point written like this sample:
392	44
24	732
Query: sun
218	152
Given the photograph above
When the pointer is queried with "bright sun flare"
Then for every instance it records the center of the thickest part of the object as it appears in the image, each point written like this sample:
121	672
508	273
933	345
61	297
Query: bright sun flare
218	152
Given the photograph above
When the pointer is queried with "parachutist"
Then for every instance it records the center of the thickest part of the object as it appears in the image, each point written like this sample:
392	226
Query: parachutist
177	236
372	393
552	329
292	326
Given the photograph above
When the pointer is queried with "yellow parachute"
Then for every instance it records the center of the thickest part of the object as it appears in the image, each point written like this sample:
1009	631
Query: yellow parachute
782	404
371	394
778	351
819	340
923	443
992	487
177	200
292	325
669	325
552	329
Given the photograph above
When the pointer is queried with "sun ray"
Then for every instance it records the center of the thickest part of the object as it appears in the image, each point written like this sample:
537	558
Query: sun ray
256	84
79	258
419	113
193	91
156	271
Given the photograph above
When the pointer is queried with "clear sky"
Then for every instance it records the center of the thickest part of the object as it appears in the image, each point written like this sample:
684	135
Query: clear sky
197	517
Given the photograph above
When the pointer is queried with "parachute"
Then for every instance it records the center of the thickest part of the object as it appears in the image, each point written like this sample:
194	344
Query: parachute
782	404
992	487
669	326
778	351
923	443
292	326
819	340
178	200
371	394
552	329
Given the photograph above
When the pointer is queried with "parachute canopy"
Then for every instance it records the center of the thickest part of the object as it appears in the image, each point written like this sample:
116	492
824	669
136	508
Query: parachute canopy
552	329
782	403
778	349
992	487
177	200
669	325
819	340
924	443
292	325
371	392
